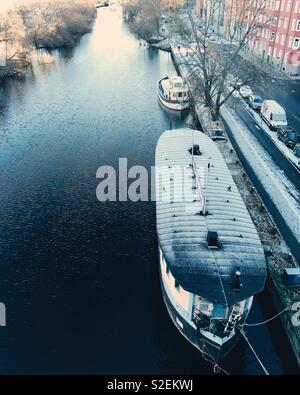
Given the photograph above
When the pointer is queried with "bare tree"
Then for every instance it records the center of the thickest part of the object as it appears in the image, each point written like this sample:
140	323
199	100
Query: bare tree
144	17
213	64
55	23
13	37
41	24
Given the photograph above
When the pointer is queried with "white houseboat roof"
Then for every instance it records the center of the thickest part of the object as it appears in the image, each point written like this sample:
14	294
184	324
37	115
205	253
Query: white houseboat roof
207	237
176	78
174	84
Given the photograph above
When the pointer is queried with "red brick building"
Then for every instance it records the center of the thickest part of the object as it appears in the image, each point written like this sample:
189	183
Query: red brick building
278	43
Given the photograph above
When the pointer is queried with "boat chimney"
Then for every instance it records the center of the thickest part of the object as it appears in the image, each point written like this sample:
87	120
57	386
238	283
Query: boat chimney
212	239
195	150
237	281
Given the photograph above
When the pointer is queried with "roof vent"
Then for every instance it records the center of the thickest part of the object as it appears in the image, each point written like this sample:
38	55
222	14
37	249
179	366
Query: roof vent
212	239
195	150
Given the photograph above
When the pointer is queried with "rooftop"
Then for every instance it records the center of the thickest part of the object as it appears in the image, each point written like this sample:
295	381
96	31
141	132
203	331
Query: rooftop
187	211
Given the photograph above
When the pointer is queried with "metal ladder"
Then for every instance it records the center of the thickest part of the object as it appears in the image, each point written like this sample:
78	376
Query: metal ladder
231	321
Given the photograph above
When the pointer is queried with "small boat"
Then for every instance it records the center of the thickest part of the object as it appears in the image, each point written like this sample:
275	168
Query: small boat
155	39
211	259
100	5
173	93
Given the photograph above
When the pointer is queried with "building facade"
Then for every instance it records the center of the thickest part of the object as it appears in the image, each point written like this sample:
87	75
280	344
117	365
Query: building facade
277	42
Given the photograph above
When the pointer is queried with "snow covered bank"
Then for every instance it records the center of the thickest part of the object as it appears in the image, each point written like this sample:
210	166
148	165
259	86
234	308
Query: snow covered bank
282	192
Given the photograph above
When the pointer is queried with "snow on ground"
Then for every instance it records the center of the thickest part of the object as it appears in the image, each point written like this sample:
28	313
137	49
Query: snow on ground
283	193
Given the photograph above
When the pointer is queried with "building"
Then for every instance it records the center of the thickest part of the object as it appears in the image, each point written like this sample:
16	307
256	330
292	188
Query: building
212	11
276	37
225	17
278	42
235	18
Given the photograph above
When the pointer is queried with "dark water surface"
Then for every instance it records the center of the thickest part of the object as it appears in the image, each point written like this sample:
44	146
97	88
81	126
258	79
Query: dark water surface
80	278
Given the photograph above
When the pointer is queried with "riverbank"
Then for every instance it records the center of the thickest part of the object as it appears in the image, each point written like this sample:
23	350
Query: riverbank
27	30
278	255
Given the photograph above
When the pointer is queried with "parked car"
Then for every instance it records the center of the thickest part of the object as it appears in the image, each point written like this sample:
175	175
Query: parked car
246	91
255	102
273	114
234	82
288	135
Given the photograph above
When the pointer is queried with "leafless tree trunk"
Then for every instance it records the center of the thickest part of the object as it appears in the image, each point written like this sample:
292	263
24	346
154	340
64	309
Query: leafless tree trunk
213	64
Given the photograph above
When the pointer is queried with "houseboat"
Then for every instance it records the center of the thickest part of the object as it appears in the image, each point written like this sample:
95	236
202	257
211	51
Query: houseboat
173	93
211	259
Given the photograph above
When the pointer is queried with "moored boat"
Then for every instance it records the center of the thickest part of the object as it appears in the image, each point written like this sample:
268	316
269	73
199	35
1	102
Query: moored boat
173	93
211	259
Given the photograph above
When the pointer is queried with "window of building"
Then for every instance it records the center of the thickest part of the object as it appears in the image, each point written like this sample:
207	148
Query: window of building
298	26
296	43
272	36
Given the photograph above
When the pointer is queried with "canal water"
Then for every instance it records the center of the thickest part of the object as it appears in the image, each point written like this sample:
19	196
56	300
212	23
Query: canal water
79	278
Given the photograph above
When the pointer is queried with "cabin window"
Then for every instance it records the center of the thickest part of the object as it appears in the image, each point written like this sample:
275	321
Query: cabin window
179	94
177	85
176	285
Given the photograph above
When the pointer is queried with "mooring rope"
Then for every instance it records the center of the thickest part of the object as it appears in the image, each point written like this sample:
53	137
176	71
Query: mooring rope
252	349
270	319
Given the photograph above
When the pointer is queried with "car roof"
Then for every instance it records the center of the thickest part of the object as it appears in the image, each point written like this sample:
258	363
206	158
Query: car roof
275	106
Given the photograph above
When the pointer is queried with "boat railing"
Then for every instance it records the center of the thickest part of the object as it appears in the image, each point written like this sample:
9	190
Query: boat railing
161	92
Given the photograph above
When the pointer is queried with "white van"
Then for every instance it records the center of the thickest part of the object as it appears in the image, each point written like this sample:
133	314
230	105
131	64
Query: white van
273	114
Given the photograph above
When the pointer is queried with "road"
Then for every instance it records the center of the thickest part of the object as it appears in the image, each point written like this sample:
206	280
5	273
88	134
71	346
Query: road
285	92
281	161
276	154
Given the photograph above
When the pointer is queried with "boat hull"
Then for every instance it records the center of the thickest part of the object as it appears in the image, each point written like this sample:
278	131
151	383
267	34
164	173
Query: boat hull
209	350
174	106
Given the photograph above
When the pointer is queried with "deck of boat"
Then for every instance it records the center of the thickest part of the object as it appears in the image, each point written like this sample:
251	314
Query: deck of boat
183	226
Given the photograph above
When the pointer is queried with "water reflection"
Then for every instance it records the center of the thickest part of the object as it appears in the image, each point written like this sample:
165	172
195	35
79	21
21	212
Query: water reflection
79	278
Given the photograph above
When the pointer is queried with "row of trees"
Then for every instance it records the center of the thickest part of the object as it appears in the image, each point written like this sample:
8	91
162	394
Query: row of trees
44	24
